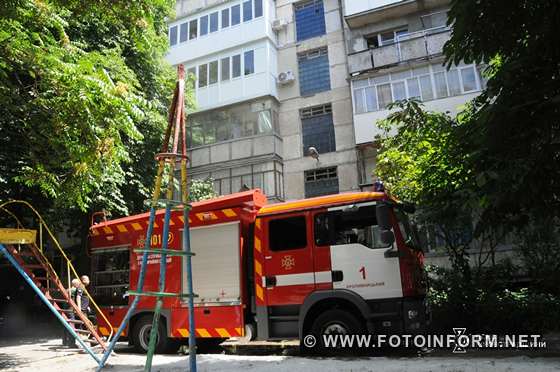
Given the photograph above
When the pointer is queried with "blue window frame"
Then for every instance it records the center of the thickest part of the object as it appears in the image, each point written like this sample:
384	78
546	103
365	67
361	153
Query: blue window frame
258	8
225	18
310	19
247	10
183	32
173	35
314	76
249	62
214	17
203	25
235	15
318	129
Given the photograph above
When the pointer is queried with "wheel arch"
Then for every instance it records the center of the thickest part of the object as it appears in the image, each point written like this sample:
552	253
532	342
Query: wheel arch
165	317
322	300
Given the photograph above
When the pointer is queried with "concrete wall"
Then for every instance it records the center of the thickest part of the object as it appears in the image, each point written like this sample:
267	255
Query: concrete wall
295	162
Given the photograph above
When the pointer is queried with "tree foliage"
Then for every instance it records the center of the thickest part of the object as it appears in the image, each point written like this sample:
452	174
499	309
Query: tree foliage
84	98
201	189
512	131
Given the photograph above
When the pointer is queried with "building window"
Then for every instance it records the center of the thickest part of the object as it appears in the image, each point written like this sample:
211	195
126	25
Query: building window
213	72
247	11
385	38
191	76
235	15
214	18
310	19
314	76
265	176
225	69
173	35
249	62
193	29
422	83
318	129
289	233
225	18
203	25
258	8
183	32
322	181
238	121
202	76
236	66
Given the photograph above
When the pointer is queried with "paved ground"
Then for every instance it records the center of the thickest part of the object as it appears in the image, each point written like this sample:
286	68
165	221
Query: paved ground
46	354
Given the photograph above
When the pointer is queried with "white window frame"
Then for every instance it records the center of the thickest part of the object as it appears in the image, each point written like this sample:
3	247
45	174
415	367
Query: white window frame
431	73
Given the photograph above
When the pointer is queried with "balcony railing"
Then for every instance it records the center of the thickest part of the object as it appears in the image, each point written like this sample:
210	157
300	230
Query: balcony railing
411	46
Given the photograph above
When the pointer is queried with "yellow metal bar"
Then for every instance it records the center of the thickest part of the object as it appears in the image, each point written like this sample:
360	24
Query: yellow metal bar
157	187
184	192
63	254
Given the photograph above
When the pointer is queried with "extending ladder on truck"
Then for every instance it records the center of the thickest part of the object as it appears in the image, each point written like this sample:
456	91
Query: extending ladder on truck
19	247
173	154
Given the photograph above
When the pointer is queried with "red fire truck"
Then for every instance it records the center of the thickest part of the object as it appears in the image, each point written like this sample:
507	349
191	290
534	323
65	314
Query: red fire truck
345	263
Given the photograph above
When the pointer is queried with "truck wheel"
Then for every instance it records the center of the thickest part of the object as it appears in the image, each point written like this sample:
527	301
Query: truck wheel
141	337
250	333
331	322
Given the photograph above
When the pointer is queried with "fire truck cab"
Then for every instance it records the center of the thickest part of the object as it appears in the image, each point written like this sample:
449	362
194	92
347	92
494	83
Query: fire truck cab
346	263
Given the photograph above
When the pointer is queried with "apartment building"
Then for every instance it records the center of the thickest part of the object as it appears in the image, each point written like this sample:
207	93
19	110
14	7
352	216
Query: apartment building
395	51
270	84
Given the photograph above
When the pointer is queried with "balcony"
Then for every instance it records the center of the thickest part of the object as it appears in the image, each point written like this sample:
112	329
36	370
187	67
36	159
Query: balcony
363	12
241	149
408	47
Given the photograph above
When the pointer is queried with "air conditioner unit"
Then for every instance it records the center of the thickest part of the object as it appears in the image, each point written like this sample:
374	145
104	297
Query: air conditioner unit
285	77
279	24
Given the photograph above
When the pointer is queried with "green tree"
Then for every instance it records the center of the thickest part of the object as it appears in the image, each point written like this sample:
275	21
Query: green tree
84	92
512	132
201	190
420	161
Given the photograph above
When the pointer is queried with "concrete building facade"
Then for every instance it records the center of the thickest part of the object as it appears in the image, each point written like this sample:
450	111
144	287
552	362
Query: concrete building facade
395	51
270	83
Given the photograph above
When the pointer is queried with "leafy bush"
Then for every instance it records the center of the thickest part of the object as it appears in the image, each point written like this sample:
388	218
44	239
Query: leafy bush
491	303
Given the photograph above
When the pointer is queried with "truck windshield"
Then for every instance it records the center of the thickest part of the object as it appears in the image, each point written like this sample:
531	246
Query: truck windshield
408	231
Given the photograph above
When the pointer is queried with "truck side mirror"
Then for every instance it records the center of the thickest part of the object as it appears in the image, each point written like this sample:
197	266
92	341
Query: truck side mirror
387	237
382	213
383	216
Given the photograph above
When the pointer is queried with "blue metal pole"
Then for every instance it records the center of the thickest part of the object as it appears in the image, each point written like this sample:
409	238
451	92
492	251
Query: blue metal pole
187	248
139	287
42	296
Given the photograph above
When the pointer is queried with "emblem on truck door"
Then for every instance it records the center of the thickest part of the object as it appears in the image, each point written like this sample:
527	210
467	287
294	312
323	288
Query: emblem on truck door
288	262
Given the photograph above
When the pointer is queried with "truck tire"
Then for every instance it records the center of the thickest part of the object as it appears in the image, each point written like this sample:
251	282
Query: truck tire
333	322
141	337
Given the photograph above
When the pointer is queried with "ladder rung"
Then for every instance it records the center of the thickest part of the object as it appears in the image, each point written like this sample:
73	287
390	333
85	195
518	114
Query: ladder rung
23	253
58	299
160	294
77	321
169	201
34	266
84	331
40	278
169	252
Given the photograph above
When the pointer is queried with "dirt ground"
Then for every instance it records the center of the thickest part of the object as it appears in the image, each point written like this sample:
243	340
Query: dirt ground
47	354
